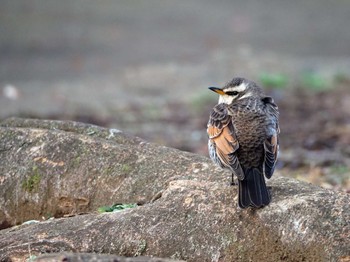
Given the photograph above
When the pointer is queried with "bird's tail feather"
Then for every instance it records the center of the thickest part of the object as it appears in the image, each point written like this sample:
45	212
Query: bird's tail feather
252	190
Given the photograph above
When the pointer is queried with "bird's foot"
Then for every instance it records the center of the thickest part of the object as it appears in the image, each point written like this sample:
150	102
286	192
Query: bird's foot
233	182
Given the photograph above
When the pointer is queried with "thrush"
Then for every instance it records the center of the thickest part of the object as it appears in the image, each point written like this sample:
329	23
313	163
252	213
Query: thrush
243	138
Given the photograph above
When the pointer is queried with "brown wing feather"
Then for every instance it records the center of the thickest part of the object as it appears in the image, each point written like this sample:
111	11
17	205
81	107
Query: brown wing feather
226	143
221	133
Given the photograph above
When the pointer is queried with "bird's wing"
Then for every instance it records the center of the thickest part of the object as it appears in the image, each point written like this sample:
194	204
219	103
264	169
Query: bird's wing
271	144
222	134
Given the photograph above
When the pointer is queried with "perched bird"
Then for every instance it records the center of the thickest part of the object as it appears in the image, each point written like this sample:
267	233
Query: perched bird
243	138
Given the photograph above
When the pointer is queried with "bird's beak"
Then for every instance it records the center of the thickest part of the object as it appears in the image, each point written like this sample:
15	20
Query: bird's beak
217	90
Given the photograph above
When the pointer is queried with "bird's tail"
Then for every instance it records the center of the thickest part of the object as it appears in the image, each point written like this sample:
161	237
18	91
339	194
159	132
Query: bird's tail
252	190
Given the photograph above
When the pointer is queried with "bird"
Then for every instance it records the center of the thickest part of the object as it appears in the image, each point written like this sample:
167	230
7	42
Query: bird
243	137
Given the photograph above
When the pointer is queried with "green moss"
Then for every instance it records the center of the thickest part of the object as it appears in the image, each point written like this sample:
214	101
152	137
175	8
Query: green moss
176	255
31	184
126	168
108	171
91	131
115	208
31	258
141	248
76	161
48	216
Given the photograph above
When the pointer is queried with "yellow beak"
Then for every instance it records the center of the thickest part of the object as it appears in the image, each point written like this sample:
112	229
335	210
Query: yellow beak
217	90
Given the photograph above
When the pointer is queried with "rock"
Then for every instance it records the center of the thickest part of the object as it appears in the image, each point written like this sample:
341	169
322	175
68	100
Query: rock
86	257
56	168
194	218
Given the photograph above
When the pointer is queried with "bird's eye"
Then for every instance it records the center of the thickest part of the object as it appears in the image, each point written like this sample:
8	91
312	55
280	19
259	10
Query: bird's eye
232	93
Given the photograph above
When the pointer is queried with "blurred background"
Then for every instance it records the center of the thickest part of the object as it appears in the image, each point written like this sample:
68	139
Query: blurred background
144	67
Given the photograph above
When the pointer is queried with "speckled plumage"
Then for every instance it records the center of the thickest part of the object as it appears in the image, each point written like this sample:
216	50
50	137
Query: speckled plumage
243	137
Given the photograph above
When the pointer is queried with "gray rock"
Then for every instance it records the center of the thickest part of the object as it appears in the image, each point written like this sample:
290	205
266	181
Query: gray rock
87	257
56	168
194	217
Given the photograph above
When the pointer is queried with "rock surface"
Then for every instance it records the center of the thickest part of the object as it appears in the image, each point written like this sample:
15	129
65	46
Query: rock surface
54	168
86	257
194	217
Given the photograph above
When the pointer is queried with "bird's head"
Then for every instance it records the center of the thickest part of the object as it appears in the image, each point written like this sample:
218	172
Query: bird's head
237	89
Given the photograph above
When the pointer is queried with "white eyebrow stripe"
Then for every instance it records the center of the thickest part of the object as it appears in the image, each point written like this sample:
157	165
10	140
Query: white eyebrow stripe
240	88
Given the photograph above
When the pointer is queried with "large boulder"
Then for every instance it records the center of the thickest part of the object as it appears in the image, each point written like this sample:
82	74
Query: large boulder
55	168
187	210
87	257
